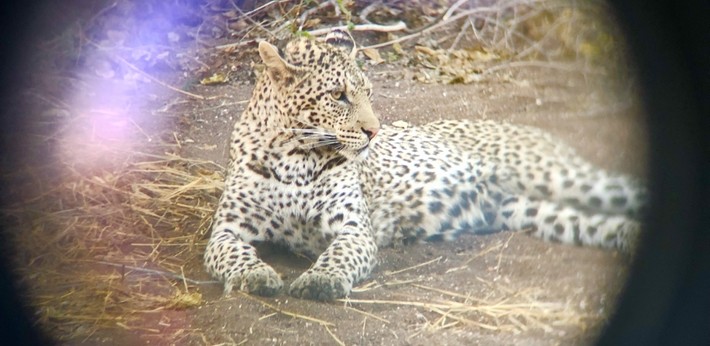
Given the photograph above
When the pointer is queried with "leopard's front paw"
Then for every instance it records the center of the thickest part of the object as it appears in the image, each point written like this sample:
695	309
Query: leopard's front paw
319	286
262	280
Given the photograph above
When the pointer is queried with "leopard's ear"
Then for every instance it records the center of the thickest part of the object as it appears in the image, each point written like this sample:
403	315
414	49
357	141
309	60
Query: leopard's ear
343	40
278	69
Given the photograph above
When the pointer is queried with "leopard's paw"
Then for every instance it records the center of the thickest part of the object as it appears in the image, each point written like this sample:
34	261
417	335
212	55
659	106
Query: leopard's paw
262	280
319	286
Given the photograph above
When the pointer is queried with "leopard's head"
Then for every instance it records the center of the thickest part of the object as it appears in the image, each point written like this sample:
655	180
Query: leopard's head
323	93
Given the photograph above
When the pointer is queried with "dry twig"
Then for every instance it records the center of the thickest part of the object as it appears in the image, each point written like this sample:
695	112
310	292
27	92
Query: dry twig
286	312
362	27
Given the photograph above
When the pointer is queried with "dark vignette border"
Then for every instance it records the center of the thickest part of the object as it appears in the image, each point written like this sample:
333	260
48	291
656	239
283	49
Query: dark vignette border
667	296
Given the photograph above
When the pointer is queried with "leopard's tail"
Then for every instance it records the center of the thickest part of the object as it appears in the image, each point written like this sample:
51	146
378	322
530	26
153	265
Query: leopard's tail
557	223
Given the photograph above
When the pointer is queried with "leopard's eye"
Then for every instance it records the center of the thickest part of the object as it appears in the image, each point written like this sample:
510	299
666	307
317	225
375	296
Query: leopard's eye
338	95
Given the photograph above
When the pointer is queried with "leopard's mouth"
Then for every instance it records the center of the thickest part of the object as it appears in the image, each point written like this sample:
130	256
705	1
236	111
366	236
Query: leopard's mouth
340	147
363	152
364	148
349	152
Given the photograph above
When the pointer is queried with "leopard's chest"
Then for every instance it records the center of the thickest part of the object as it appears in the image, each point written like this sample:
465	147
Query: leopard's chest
297	201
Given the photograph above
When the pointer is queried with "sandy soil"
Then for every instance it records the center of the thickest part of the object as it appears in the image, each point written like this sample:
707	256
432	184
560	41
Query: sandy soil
565	292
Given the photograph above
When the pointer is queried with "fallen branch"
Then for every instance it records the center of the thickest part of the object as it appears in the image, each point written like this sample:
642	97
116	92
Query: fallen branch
434	26
362	27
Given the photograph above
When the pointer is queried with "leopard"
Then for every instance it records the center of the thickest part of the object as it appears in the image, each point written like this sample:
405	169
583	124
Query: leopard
312	168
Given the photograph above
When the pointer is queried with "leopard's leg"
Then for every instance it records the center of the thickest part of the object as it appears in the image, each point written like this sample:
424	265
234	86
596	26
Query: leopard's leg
351	255
229	255
349	259
236	263
554	222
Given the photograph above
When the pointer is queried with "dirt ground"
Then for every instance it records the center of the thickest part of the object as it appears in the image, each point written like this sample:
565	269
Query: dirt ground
565	293
500	289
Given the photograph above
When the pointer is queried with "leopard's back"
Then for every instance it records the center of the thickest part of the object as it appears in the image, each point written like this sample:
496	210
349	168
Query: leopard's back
449	177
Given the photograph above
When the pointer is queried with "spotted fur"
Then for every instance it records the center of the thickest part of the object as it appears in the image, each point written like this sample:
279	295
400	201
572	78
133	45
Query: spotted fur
312	168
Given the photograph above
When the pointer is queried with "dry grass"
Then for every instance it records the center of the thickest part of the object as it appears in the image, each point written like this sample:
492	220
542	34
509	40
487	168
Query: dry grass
502	309
98	247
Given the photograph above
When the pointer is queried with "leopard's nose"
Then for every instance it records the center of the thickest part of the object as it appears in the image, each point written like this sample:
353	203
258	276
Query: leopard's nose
370	133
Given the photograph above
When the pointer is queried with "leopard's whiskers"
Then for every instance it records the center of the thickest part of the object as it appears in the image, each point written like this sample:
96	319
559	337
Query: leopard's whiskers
310	138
